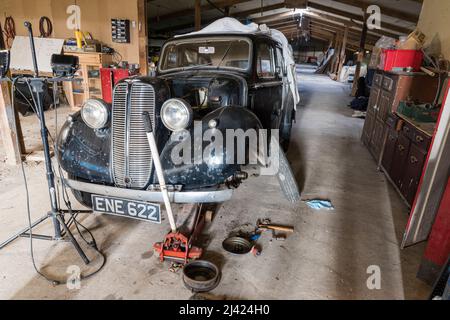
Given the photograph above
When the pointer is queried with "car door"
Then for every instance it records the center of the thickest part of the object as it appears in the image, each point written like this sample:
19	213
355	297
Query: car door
268	86
282	75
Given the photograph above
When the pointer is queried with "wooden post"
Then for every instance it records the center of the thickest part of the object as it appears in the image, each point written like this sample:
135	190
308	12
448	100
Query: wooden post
198	15
337	51
362	50
10	127
342	56
143	36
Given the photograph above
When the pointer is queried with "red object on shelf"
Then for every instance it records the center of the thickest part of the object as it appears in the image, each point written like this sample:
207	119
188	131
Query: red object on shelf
110	77
391	59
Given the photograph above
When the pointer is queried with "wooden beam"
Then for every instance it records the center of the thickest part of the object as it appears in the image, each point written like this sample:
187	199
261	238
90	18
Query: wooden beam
191	11
272	17
384	10
353	26
198	15
10	129
356	17
263	9
362	47
352	34
143	36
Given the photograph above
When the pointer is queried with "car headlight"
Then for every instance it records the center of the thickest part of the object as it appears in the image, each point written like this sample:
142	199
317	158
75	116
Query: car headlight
95	113
176	114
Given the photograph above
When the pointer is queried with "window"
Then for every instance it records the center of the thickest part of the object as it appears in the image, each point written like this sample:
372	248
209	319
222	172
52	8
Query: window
265	62
212	53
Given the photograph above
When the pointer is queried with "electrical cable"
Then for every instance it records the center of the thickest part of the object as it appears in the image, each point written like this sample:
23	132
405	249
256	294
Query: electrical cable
10	30
45	27
2	40
91	243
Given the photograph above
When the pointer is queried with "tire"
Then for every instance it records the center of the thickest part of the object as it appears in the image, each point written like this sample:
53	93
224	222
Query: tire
82	197
286	124
286	179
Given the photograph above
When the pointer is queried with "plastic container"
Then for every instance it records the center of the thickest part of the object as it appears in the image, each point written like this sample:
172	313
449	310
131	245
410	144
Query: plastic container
392	59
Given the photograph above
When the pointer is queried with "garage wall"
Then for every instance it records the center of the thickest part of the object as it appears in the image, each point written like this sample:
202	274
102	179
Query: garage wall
96	18
434	22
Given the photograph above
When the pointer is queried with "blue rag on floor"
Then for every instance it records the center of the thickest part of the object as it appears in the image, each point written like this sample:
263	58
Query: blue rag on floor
320	204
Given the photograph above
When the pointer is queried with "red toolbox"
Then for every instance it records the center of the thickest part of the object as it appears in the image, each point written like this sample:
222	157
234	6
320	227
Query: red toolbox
391	59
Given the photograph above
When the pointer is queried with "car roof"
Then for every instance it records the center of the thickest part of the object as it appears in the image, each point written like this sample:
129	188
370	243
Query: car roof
252	36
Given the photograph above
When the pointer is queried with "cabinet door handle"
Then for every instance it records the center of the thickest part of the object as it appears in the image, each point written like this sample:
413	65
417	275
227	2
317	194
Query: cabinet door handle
419	139
414	160
401	148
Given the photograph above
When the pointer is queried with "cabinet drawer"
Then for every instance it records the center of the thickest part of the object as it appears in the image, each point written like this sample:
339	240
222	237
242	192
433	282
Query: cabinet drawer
421	140
378	79
388	83
409	131
391	121
413	172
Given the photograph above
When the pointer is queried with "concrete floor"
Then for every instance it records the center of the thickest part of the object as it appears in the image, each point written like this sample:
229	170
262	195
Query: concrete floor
326	258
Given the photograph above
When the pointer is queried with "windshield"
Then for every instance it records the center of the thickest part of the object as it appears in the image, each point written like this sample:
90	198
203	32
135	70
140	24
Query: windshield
211	53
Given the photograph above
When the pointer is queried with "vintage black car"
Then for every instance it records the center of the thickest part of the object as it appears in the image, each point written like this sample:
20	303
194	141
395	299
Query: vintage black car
226	81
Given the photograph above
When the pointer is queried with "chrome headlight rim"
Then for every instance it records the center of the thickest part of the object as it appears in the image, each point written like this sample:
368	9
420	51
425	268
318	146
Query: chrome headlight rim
102	110
185	107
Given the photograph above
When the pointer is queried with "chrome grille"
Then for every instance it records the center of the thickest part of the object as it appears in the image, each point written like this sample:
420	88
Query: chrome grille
132	160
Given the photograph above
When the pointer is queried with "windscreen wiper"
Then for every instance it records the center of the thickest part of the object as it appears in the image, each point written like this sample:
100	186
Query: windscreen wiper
224	56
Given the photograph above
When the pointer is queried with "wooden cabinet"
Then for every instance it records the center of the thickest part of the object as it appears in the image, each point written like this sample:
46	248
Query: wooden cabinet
399	148
387	91
88	83
404	155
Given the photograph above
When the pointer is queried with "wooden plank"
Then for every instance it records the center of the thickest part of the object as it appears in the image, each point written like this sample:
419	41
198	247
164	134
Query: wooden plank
198	15
143	37
10	127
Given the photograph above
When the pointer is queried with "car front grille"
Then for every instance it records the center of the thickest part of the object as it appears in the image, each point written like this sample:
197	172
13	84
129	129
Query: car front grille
131	156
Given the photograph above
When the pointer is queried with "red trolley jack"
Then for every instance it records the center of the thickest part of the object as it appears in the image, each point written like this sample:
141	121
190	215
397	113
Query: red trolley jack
178	247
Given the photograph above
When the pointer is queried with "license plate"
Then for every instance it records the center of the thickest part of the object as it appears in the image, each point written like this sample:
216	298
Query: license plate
127	208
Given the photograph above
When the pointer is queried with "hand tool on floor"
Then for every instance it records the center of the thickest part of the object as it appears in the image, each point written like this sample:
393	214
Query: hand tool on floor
176	246
266	224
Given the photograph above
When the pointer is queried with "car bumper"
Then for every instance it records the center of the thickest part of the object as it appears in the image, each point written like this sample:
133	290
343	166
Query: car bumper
210	196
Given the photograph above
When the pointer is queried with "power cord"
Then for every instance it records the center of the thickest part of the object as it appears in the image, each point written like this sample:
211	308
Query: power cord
91	243
45	27
10	30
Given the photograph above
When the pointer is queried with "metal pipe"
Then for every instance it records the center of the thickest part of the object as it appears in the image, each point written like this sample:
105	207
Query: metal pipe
27	25
159	169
